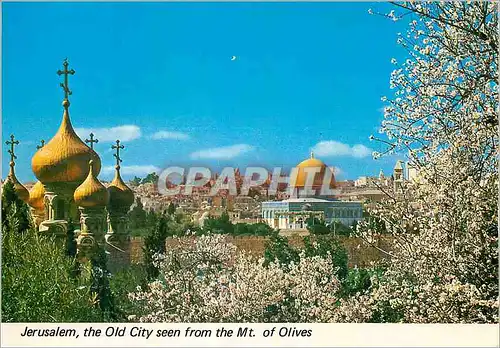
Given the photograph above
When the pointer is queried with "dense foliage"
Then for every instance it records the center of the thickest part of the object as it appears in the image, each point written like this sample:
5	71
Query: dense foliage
38	279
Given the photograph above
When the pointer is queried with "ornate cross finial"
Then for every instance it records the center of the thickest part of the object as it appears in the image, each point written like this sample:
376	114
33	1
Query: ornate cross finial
42	142
12	142
92	141
65	72
117	147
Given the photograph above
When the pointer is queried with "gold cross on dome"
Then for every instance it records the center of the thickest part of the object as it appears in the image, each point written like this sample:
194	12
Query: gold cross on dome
92	141
65	72
12	142
117	147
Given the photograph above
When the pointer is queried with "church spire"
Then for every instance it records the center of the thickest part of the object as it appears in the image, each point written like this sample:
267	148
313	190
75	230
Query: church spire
21	191
117	147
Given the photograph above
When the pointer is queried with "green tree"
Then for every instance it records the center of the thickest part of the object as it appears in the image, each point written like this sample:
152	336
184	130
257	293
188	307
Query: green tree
328	245
339	229
150	178
279	250
154	244
171	208
15	213
135	181
151	218
137	216
100	285
219	225
316	226
37	281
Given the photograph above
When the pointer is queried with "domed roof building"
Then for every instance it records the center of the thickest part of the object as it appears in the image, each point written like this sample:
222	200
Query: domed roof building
307	200
121	198
61	166
319	168
68	188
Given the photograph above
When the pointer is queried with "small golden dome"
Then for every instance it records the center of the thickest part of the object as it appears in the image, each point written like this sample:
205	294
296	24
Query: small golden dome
22	192
65	158
302	174
37	194
91	193
120	195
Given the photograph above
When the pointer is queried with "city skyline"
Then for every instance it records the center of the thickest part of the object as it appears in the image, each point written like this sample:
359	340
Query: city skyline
254	88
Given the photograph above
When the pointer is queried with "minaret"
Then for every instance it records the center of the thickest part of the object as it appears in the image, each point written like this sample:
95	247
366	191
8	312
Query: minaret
36	201
121	197
21	191
61	166
91	197
398	177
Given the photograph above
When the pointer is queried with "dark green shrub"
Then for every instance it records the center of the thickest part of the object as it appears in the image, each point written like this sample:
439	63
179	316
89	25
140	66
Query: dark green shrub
155	243
15	213
37	282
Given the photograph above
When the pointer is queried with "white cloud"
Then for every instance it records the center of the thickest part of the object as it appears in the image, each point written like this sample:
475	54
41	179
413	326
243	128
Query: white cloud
123	133
132	170
332	148
169	135
337	171
225	152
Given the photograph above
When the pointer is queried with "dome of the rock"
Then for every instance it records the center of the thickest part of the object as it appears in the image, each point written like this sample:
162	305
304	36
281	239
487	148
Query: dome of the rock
312	163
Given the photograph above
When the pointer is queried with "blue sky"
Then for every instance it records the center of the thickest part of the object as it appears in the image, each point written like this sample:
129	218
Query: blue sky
160	77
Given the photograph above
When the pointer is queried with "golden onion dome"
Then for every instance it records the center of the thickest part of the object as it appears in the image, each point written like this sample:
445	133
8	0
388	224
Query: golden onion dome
21	191
91	193
302	173
65	158
36	198
120	195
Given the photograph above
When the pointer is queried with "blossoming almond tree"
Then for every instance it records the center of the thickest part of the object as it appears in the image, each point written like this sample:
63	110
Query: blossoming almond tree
443	115
203	280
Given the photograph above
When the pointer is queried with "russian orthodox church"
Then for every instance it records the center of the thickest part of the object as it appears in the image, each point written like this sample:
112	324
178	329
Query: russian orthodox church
68	191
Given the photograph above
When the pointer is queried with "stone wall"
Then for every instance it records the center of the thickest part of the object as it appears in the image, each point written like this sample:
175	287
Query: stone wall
360	254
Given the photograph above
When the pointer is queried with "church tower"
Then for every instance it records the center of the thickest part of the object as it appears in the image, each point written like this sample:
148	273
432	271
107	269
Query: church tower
121	197
61	166
21	191
36	201
91	197
398	177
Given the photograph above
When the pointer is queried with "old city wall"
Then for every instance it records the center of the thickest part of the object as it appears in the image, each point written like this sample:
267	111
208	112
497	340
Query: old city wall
360	253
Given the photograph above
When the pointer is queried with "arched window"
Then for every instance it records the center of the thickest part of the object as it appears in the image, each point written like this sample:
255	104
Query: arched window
59	207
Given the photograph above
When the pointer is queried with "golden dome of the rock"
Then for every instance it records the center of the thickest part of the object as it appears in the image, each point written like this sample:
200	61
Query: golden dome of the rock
302	173
91	193
65	158
120	195
36	196
22	192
